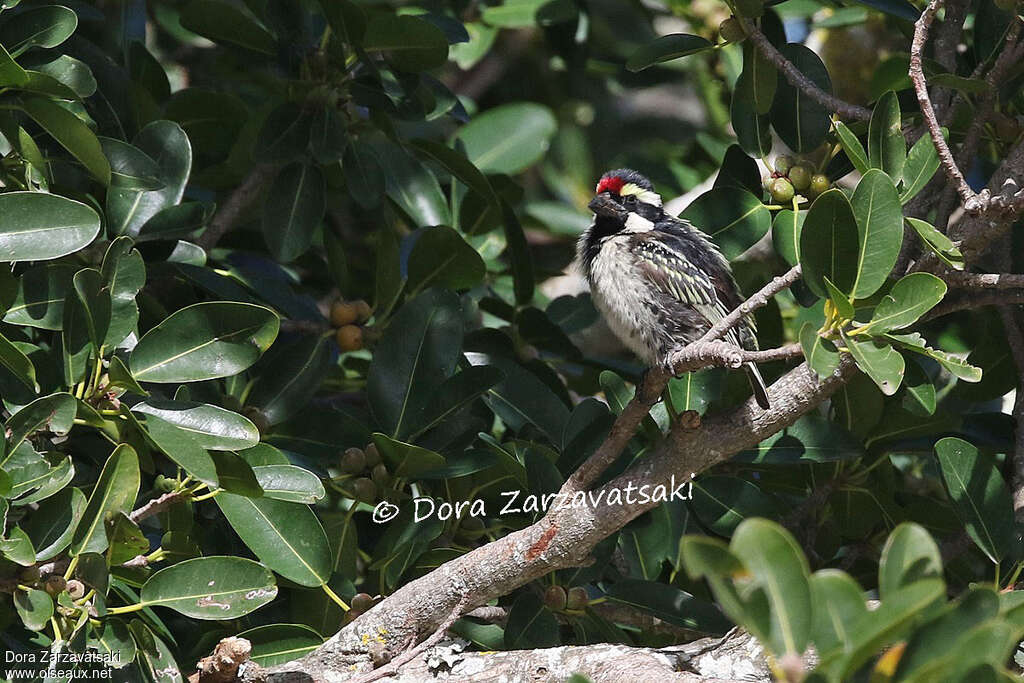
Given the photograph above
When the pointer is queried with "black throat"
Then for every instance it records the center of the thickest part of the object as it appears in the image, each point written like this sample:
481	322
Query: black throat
606	226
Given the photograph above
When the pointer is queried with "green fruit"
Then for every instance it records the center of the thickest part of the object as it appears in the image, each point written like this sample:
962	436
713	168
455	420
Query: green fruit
800	176
783	164
353	461
555	597
731	30
782	191
364	490
577	598
361	602
819	183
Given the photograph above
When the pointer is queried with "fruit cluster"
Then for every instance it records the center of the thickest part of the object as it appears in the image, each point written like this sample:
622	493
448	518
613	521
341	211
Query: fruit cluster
373	473
792	177
348	317
558	599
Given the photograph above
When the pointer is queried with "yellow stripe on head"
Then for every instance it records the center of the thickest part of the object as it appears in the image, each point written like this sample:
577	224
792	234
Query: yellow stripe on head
645	196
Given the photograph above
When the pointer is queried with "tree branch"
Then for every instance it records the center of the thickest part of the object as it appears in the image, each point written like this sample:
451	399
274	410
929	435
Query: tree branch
797	78
958	278
239	199
156	506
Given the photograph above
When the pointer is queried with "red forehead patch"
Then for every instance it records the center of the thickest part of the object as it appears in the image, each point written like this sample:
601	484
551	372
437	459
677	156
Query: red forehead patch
613	183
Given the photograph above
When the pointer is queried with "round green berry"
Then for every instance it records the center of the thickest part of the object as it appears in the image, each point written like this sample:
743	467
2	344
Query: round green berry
800	176
577	598
782	191
819	183
555	597
731	30
783	164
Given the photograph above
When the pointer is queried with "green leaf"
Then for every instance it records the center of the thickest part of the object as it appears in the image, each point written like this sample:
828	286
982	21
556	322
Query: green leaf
734	219
224	23
838	604
897	8
669	604
364	175
458	165
909	555
829	243
234	474
167	144
521	398
115	491
412	186
294	380
56	412
946	632
408	42
519	254
453	394
35	607
211	587
280	643
47	26
70	132
442	258
528	13
293	210
52	525
763	75
980	497
722	503
843	305
801	122
153	655
178	445
696	390
786	230
954	364
18	364
876	207
130	167
887	149
752	129
919	396
938	243
530	624
211	427
115	640
406	460
667	48
287	537
39	299
35	226
883	364
17	548
290	483
779	567
508	138
922	162
910	298
124	275
204	341
418	351
73	73
851	145
810	439
11	74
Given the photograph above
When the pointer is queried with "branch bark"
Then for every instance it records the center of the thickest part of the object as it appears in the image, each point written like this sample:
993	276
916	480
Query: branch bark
237	202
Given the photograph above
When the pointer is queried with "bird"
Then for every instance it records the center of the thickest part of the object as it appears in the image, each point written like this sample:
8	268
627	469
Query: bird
657	280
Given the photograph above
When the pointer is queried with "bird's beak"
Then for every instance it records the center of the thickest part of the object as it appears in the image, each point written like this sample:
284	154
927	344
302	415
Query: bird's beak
604	205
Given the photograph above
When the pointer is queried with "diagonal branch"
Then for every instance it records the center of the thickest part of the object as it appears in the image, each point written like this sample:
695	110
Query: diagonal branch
797	78
237	202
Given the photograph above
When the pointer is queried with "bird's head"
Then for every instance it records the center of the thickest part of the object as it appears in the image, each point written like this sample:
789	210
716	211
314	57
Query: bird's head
623	192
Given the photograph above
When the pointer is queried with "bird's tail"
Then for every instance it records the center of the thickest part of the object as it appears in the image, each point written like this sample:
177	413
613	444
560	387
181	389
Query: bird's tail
758	385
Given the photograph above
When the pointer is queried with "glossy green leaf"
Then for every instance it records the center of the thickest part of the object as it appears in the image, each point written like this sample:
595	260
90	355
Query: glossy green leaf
811	439
204	341
763	75
938	243
72	72
458	165
53	523
876	207
286	537
35	607
841	302
279	643
786	230
11	73
293	209
412	186
124	275
153	655
883	364
508	138
696	390
211	427
406	460
922	163
953	363
980	496
734	219
910	298
801	122
290	483
130	167
519	254
829	244
364	175
442	258
46	26
35	226
669	604
224	23
408	42
667	48
919	392
752	129
722	503
779	567
452	395
178	445
909	555
852	146
419	350
887	150
70	132
838	604
296	377
114	638
17	363
39	298
17	548
211	587
530	624
55	412
115	491
943	634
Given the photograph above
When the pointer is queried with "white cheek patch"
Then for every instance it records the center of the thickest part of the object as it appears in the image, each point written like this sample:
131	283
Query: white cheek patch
645	196
637	223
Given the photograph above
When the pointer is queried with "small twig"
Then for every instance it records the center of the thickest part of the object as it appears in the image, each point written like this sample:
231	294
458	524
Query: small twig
401	660
229	212
761	298
155	506
797	78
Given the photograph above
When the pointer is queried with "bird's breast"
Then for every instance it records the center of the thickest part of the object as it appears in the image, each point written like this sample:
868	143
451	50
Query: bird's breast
619	294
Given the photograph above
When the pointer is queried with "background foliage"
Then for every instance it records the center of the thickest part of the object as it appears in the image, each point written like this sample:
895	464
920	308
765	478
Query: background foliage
187	187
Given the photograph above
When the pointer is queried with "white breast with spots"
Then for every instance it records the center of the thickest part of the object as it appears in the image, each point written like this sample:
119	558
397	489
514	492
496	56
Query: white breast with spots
618	298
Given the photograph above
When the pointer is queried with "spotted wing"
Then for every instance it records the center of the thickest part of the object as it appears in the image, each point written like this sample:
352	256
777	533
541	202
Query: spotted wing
676	268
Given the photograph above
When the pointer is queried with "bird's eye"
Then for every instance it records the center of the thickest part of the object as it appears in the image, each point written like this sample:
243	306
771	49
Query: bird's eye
630	199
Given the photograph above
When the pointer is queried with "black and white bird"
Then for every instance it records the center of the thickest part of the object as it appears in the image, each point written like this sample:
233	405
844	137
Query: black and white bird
658	281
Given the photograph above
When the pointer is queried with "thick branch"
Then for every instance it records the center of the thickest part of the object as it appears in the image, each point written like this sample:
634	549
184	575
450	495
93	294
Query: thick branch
984	280
797	78
237	202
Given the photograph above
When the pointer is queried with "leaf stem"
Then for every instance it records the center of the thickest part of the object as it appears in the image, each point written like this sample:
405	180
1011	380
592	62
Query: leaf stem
334	596
125	609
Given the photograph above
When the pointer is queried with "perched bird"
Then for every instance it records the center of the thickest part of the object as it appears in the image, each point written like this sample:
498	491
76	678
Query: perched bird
659	282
